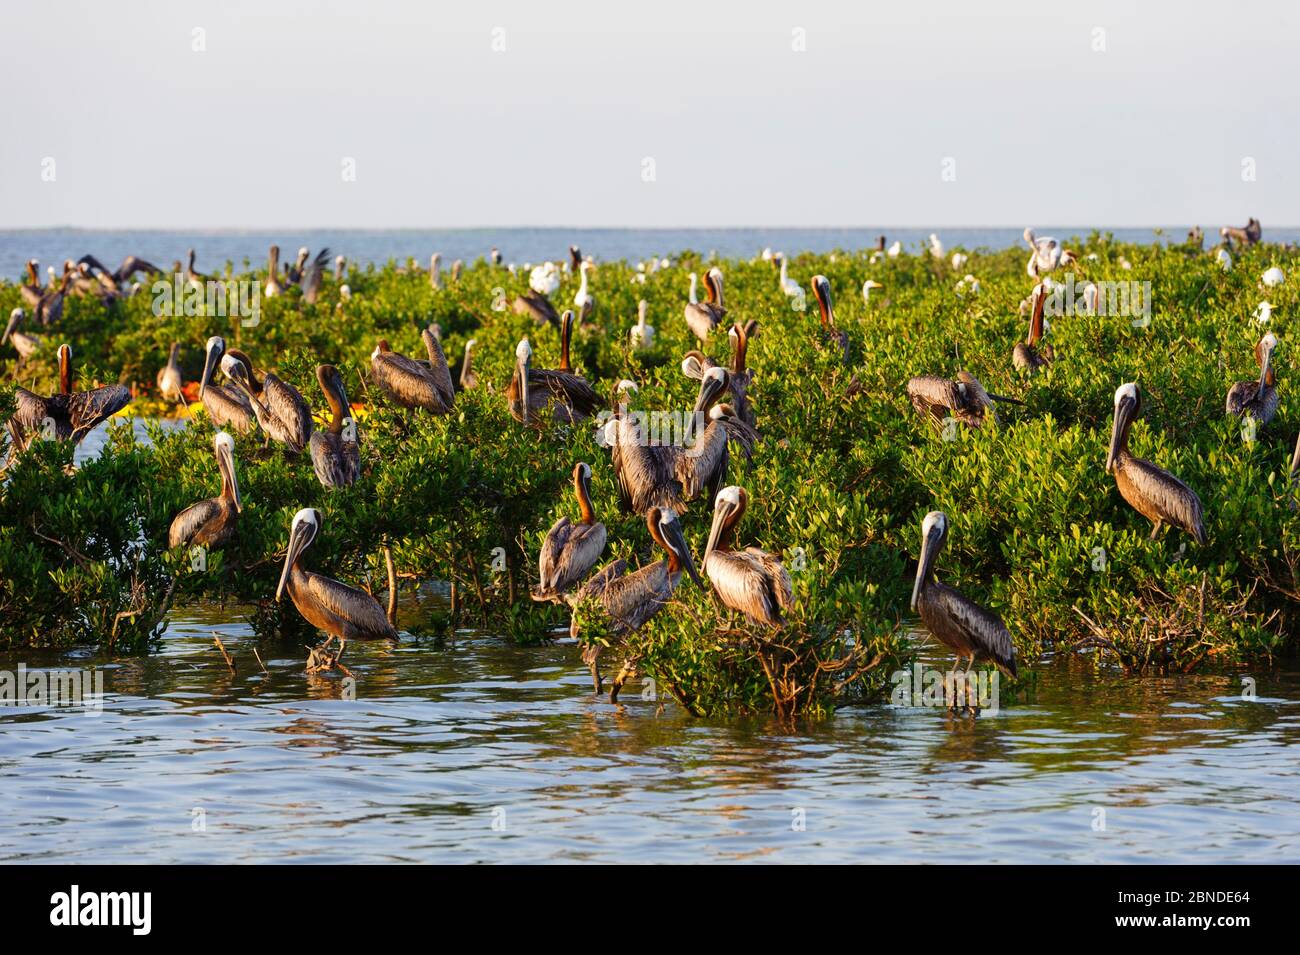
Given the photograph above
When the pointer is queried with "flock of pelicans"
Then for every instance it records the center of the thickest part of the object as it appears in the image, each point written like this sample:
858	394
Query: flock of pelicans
654	480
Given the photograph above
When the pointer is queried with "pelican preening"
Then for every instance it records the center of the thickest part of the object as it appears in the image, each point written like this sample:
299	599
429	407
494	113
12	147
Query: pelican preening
536	394
835	338
1152	491
169	376
751	581
571	549
1046	254
630	599
339	610
703	317
1027	356
643	334
960	624
1257	399
335	455
415	383
227	406
211	523
963	399
67	415
279	409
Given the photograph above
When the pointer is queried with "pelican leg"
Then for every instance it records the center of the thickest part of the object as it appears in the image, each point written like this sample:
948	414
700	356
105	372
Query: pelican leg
595	677
970	699
1155	531
623	674
949	682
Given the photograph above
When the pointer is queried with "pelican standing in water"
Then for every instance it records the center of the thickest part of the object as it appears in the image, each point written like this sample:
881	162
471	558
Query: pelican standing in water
963	399
169	376
835	338
537	394
71	415
571	549
341	611
751	581
630	599
26	345
280	410
1153	492
335	456
411	383
703	317
1257	399
962	625
211	523
1027	356
228	407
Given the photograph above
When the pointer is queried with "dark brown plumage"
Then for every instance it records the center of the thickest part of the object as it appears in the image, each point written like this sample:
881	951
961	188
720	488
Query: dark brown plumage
571	548
67	415
412	383
211	523
1257	399
335	456
751	581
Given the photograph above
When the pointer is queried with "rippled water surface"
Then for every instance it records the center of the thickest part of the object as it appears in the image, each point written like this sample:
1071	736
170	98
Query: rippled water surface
480	751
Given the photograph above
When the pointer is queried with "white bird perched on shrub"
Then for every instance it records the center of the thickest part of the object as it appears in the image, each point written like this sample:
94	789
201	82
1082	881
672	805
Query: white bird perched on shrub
867	286
643	334
545	279
1273	277
1264	312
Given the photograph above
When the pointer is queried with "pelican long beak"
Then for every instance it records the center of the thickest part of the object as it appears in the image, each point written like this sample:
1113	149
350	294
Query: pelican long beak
521	365
298	540
1123	418
1265	360
721	513
226	460
673	535
929	551
209	366
13	323
710	388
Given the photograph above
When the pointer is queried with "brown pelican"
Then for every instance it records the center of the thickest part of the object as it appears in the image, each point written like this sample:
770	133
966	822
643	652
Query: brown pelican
630	599
643	334
703	317
335	456
67	415
31	290
962	625
584	301
836	339
169	376
226	406
339	610
193	277
340	263
570	550
210	523
411	383
963	399
1257	399
280	410
696	364
1153	492
1027	356
293	272
750	580
273	286
566	338
1248	235
26	345
575	257
435	270
536	395
50	308
468	376
667	475
543	281
311	276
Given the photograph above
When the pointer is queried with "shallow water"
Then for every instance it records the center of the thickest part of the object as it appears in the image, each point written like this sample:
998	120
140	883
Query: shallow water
480	751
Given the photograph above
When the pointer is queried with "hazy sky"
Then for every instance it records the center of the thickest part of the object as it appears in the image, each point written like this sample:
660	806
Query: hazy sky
144	131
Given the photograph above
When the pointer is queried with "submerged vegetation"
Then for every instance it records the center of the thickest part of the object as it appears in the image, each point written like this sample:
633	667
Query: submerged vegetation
839	481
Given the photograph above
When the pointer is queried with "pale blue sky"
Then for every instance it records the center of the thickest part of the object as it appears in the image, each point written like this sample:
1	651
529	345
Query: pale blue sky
743	130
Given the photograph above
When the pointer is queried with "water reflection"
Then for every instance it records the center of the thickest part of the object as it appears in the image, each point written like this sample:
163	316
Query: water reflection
481	751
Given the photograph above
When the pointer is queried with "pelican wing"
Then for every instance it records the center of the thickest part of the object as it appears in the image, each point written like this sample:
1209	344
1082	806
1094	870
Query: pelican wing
568	553
86	409
359	611
407	381
438	370
570	390
980	628
289	411
930	393
190	521
634	598
31	409
538	306
752	582
1170	499
228	407
646	474
704	464
596	584
336	461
